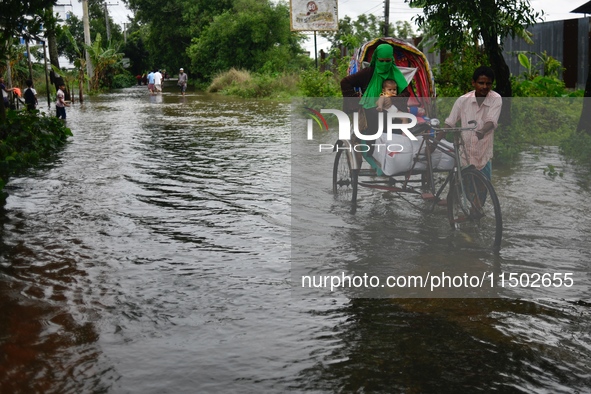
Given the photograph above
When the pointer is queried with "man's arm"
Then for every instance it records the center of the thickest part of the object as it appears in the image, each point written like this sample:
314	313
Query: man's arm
492	118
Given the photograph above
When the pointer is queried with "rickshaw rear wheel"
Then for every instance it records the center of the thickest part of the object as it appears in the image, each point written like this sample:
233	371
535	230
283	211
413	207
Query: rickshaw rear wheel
344	178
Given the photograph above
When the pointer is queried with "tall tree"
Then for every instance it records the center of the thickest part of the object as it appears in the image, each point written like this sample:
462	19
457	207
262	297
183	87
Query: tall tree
253	35
50	22
19	18
458	24
352	33
172	25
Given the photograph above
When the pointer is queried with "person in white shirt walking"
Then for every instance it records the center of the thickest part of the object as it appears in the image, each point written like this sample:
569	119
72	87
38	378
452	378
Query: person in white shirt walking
158	81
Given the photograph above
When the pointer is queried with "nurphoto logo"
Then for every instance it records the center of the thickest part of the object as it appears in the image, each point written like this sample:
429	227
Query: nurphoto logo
345	126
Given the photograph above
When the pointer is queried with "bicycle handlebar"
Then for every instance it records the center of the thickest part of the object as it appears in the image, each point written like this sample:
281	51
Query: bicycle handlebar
435	126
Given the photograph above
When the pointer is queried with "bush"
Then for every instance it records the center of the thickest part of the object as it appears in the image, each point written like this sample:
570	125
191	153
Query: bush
125	80
314	83
226	79
25	139
577	147
453	77
246	85
536	121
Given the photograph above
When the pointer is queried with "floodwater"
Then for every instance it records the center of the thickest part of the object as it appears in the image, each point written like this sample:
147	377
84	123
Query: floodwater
153	254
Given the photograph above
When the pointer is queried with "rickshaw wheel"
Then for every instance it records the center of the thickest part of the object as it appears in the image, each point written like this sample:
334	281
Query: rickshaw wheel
344	179
477	213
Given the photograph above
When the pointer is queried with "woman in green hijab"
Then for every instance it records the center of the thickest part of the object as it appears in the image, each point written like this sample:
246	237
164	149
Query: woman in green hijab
369	81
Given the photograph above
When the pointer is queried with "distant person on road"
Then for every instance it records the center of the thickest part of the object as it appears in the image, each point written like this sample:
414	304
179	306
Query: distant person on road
158	81
30	96
182	81
60	103
151	82
5	92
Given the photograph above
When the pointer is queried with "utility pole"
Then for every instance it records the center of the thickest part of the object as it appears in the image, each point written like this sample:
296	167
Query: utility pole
125	32
86	23
107	21
386	17
29	56
46	75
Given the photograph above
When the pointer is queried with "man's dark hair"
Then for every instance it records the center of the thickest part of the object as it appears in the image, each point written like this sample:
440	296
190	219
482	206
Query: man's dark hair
484	70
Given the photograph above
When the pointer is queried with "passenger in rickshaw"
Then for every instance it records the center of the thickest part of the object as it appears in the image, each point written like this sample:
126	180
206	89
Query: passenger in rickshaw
370	81
389	89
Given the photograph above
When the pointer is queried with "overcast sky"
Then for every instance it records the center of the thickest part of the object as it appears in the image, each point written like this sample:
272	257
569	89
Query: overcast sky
399	11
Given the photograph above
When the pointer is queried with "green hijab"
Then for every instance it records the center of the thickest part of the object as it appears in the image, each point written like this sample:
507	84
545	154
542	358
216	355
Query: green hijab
382	71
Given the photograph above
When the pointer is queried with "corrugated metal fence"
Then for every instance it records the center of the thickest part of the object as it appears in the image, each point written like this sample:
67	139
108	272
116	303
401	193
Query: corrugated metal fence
567	41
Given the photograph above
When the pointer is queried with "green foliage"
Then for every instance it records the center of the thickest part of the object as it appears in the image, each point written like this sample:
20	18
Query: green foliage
508	144
552	171
541	79
106	63
25	139
458	24
461	24
228	78
540	122
541	86
123	80
18	17
548	66
248	36
352	34
279	59
404	31
314	83
454	76
170	26
136	50
244	84
577	147
66	45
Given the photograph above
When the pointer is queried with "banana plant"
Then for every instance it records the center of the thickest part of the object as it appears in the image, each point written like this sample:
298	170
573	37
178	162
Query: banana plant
80	63
105	62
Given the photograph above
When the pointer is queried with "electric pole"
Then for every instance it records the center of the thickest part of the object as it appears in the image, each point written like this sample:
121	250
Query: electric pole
86	23
107	21
386	17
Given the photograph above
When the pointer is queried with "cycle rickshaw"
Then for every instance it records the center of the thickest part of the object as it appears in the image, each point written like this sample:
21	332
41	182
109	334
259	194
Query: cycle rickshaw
424	168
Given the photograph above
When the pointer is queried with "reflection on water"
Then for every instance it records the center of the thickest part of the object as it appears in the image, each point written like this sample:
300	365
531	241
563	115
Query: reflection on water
452	346
153	255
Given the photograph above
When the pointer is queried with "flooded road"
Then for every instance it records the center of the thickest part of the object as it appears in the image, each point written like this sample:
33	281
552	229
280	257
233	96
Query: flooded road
154	255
